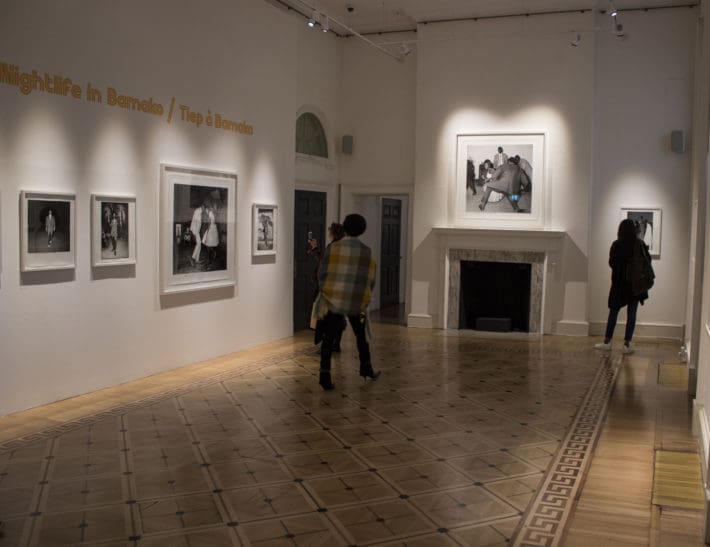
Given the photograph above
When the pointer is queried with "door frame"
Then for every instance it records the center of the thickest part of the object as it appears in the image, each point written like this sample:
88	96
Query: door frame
331	191
349	191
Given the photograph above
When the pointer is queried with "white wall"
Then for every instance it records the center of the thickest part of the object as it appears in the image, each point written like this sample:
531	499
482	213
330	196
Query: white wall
506	75
644	91
702	401
60	337
607	108
319	81
379	109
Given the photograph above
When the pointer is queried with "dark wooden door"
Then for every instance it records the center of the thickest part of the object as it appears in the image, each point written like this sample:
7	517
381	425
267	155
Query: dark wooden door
309	216
390	249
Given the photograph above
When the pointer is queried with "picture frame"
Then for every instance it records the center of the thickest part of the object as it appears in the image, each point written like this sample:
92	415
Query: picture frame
264	229
197	233
649	225
47	231
113	230
488	192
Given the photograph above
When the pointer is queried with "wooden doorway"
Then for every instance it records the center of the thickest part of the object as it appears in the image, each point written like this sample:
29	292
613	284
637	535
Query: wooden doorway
309	216
390	252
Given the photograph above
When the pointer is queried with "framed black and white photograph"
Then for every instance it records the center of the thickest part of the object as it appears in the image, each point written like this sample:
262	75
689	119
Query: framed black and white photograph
197	229
500	178
648	226
113	230
264	229
47	224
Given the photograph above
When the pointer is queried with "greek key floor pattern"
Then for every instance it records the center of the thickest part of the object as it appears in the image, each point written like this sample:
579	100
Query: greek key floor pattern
462	441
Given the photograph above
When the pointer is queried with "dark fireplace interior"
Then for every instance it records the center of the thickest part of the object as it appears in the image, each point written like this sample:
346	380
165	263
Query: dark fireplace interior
495	296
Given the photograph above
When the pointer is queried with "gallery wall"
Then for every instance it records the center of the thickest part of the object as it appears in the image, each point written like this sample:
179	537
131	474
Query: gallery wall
643	91
508	75
701	422
607	108
63	334
379	111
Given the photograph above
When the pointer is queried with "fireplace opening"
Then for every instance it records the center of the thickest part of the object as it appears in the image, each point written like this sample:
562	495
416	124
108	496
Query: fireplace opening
495	296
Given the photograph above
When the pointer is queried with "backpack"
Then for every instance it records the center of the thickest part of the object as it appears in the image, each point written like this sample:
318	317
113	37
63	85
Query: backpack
639	272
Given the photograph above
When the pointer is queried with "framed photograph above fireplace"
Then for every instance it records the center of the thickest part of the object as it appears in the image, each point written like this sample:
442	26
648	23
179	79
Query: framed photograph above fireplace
500	179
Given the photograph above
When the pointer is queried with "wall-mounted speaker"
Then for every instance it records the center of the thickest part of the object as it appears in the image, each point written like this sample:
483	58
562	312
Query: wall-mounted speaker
678	141
347	146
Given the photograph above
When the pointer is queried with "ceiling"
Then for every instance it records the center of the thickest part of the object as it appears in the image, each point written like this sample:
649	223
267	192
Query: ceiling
374	16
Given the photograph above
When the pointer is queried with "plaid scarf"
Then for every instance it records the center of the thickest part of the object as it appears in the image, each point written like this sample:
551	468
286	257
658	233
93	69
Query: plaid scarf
346	278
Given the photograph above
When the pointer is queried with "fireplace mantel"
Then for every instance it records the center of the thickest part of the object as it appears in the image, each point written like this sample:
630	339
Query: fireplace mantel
533	239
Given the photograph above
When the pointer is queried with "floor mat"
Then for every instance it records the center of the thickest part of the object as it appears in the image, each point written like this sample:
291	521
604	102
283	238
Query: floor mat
677	480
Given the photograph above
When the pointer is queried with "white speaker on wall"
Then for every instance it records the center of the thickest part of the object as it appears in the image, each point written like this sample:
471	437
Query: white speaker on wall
347	145
678	141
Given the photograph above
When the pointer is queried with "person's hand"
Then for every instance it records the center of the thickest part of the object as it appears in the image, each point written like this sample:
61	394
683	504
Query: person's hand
313	244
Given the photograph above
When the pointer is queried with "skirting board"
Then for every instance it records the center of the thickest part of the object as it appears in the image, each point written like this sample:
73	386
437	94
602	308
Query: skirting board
420	321
643	330
572	328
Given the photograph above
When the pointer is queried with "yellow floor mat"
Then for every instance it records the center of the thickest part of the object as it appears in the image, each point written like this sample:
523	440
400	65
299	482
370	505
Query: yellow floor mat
673	375
677	480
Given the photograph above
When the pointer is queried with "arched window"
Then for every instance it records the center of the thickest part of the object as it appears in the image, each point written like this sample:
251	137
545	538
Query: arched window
310	136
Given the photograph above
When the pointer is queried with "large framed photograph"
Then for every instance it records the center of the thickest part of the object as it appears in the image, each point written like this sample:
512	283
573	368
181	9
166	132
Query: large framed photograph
113	230
648	226
500	178
47	223
197	229
264	229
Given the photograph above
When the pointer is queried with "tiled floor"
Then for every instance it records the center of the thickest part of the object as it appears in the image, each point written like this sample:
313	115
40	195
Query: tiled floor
447	448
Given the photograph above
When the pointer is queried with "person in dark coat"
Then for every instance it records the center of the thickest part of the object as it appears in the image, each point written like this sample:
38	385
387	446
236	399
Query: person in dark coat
471	175
506	180
620	294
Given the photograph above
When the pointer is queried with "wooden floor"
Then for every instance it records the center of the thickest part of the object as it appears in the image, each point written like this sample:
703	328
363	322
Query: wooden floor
437	394
615	508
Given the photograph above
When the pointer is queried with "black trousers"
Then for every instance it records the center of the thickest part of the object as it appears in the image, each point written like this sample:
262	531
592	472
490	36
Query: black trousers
333	329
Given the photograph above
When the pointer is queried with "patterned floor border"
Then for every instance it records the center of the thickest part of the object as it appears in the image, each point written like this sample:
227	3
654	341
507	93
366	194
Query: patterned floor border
242	370
546	518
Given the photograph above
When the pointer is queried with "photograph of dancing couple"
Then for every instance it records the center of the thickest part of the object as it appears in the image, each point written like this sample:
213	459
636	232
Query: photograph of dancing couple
200	229
499	179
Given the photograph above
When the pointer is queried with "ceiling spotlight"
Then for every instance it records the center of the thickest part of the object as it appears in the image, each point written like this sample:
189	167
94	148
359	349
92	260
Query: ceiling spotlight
612	9
313	20
325	25
575	39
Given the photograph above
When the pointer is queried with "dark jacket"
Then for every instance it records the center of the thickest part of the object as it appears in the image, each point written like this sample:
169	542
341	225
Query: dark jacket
507	179
620	293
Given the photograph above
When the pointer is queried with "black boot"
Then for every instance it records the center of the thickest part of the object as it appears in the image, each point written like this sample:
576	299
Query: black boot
366	371
325	381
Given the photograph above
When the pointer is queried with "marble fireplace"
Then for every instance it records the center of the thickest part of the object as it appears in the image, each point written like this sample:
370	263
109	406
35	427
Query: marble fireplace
541	249
535	259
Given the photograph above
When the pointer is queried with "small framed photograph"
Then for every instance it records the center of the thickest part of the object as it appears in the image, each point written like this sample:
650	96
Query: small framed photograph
197	229
648	226
500	178
113	230
265	218
47	224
